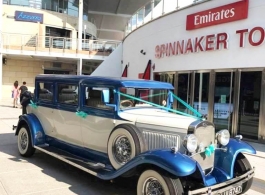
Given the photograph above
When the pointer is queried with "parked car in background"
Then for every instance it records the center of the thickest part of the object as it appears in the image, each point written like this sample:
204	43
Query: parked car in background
119	127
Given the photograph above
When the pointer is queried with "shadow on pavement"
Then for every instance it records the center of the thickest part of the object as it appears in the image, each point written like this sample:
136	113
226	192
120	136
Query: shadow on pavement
80	182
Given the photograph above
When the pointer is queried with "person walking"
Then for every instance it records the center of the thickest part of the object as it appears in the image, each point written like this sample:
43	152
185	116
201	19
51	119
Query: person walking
15	94
22	89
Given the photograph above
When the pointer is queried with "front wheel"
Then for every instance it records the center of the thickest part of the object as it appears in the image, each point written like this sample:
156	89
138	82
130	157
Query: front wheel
124	144
242	166
152	182
24	142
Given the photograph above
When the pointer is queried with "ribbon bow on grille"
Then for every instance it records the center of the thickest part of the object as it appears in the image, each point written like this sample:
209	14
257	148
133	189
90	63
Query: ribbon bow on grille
209	150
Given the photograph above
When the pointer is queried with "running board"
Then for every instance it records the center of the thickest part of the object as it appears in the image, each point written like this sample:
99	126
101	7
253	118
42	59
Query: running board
75	161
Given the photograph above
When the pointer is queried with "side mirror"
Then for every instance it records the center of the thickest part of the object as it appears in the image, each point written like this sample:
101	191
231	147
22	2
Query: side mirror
105	96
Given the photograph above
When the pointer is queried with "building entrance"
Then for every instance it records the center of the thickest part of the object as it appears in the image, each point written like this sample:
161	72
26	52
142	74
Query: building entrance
231	99
249	104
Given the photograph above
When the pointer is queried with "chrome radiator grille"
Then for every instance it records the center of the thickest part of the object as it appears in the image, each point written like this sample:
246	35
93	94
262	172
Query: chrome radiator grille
157	140
205	133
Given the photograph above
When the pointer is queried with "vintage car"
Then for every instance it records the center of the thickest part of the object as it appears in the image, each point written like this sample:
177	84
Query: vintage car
120	127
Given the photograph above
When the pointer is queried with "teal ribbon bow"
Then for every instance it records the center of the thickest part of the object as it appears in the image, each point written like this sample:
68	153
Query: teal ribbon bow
209	150
81	114
32	104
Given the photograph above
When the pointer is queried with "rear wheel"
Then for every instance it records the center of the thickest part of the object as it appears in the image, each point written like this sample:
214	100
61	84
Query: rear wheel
152	182
242	166
24	142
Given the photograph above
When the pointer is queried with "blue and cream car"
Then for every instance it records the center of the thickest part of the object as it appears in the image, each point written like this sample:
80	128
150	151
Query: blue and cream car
117	127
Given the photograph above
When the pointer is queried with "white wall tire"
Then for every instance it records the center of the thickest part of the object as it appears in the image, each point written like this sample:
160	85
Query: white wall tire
124	144
152	182
25	147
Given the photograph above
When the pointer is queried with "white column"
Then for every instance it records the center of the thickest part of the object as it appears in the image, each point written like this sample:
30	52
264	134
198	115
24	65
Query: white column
1	49
80	24
79	67
152	9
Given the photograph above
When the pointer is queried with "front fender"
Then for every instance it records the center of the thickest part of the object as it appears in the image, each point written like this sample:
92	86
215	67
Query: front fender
35	127
225	160
176	164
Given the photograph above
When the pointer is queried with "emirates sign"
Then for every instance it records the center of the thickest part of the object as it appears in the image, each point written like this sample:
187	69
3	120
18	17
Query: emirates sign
219	15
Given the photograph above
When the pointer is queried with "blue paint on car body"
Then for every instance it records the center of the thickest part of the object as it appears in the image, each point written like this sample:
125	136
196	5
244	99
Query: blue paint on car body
176	164
225	159
35	127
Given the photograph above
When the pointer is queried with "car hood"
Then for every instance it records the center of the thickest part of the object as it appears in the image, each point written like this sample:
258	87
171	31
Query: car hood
156	117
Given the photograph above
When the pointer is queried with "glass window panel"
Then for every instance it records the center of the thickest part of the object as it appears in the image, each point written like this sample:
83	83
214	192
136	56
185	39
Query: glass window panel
201	90
158	8
72	8
45	91
47	4
67	94
147	12
184	83
169	6
133	22
140	18
156	2
223	100
94	98
19	2
249	104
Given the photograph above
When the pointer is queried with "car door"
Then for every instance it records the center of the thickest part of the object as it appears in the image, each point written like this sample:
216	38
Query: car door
66	122
100	120
45	107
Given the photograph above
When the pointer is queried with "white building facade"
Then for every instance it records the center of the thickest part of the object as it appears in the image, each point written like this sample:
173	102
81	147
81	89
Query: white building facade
213	54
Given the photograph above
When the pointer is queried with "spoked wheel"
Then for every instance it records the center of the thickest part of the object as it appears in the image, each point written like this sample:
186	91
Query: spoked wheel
124	144
122	149
25	146
152	182
242	166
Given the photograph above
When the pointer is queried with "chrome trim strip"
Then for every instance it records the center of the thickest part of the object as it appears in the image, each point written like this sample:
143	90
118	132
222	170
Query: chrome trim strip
243	178
67	161
198	123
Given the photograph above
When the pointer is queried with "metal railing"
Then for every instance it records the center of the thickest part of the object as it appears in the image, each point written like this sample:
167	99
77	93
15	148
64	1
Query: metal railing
57	44
155	9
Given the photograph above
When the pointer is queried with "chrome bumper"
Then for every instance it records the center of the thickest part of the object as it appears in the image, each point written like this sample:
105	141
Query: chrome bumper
222	187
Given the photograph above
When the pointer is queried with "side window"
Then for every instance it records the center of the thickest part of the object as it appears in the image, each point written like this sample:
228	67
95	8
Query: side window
67	93
94	97
45	91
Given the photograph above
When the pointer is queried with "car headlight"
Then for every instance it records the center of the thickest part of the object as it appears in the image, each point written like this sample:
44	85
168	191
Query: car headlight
190	143
223	137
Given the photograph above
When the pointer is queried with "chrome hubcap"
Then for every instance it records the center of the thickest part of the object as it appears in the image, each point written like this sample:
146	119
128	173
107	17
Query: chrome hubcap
152	187
122	149
23	140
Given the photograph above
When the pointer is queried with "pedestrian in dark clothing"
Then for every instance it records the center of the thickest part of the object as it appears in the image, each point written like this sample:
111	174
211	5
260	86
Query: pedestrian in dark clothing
22	89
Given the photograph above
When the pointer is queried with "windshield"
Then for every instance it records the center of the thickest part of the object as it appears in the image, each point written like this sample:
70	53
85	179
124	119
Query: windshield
131	97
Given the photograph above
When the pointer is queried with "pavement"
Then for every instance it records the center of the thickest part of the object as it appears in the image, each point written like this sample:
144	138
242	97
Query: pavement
42	174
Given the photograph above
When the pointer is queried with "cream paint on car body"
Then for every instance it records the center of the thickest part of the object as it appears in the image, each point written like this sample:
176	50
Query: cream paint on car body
157	117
